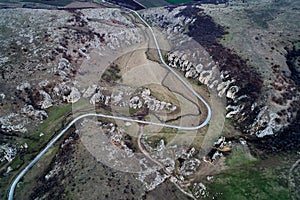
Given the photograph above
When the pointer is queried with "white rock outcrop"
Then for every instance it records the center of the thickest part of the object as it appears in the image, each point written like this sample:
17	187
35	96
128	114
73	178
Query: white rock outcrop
74	95
47	100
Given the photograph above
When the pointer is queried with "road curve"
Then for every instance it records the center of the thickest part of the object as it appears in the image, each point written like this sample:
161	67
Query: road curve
55	139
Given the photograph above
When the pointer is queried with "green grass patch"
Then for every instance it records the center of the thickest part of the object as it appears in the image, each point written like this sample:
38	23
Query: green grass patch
154	140
226	38
165	57
297	45
239	158
112	74
17	162
168	130
4	30
249	184
49	128
54	121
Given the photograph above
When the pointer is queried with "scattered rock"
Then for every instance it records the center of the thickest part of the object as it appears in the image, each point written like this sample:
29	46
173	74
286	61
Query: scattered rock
7	152
9	169
29	111
13	123
2	96
74	95
24	86
47	100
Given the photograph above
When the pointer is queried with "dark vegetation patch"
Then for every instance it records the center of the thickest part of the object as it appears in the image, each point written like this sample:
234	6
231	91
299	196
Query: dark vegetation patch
207	33
111	74
287	139
55	184
212	1
128	4
293	62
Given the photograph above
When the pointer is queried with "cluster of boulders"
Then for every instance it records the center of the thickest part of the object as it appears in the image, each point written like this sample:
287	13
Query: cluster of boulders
45	94
189	164
99	97
126	98
49	56
221	146
145	99
199	190
52	172
64	69
34	114
268	120
13	122
117	30
186	157
172	23
206	72
17	122
150	177
7	152
115	134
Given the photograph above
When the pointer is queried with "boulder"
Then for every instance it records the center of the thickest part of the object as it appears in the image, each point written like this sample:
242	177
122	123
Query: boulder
74	96
2	96
232	92
24	86
97	97
47	100
90	91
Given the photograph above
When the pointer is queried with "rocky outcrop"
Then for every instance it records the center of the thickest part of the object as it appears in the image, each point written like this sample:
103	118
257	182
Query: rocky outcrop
73	97
24	86
145	99
13	122
7	152
47	100
127	98
199	56
18	122
30	112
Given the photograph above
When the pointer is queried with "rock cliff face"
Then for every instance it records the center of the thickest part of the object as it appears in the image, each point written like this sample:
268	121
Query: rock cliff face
256	107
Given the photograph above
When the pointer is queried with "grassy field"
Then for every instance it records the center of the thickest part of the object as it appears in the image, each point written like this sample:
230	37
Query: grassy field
249	184
249	178
239	158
